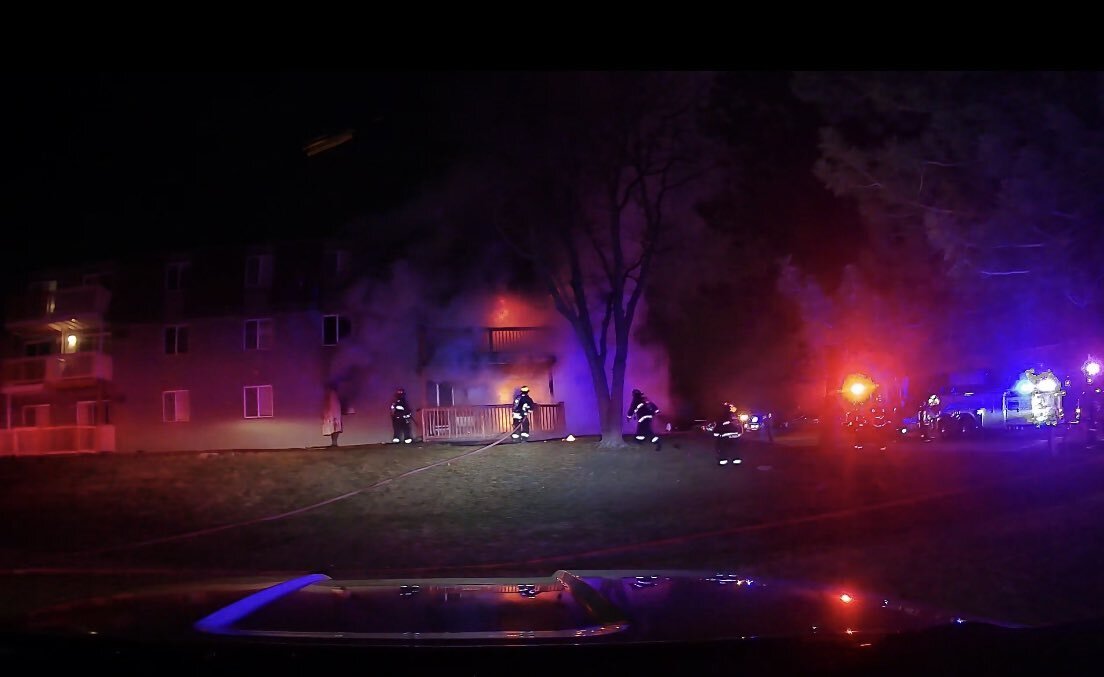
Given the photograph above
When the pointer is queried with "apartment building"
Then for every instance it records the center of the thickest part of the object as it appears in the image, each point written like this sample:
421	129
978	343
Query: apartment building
241	348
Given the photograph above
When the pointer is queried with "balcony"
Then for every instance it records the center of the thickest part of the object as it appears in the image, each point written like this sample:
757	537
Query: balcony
486	345
71	370
514	339
66	439
68	308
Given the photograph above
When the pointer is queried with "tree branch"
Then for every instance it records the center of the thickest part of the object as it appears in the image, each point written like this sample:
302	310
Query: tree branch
601	254
605	329
499	224
578	288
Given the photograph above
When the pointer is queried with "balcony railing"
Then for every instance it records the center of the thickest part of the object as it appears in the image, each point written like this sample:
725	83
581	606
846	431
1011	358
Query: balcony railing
23	371
484	344
66	439
479	423
59	304
58	370
513	339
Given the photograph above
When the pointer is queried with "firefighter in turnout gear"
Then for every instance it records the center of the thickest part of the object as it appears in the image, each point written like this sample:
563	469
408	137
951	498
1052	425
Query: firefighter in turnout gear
880	422
928	418
401	417
644	410
523	406
1090	404
726	430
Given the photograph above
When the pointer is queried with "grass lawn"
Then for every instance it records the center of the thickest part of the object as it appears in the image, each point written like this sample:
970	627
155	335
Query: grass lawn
532	508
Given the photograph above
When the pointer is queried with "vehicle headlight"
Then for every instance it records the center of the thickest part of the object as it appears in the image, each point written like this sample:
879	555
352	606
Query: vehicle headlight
1048	385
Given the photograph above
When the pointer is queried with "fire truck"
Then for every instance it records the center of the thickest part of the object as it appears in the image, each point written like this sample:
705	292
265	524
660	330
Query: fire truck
1034	398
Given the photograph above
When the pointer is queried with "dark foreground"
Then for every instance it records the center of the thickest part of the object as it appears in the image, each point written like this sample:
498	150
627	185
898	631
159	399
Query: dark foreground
999	528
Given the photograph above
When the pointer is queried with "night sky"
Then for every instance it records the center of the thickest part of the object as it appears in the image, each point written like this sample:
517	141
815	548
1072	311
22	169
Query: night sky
116	162
100	165
103	164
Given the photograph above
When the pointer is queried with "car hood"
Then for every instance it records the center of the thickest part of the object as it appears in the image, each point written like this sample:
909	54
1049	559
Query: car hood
569	606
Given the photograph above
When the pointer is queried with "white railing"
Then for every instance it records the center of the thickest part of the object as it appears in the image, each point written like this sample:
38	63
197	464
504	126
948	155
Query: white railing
484	422
57	440
55	369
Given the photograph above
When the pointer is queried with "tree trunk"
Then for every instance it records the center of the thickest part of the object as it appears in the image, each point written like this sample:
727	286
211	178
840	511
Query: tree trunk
612	435
609	407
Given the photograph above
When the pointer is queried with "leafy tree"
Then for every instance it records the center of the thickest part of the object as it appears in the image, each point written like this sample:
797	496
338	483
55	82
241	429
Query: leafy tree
980	195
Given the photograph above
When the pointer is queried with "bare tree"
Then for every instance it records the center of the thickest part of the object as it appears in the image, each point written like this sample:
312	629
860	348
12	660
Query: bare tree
598	189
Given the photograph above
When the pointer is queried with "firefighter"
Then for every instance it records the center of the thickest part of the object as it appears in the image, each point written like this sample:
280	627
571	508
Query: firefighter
856	422
401	417
726	430
928	418
1090	405
523	406
644	410
879	421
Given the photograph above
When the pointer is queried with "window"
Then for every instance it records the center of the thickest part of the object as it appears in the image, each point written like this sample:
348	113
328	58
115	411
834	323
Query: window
258	271
176	340
335	328
175	406
38	348
176	275
258	334
44	293
439	394
95	343
102	279
337	262
91	412
36	416
257	401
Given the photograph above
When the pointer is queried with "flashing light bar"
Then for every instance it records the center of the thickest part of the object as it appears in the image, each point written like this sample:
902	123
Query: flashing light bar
857	387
